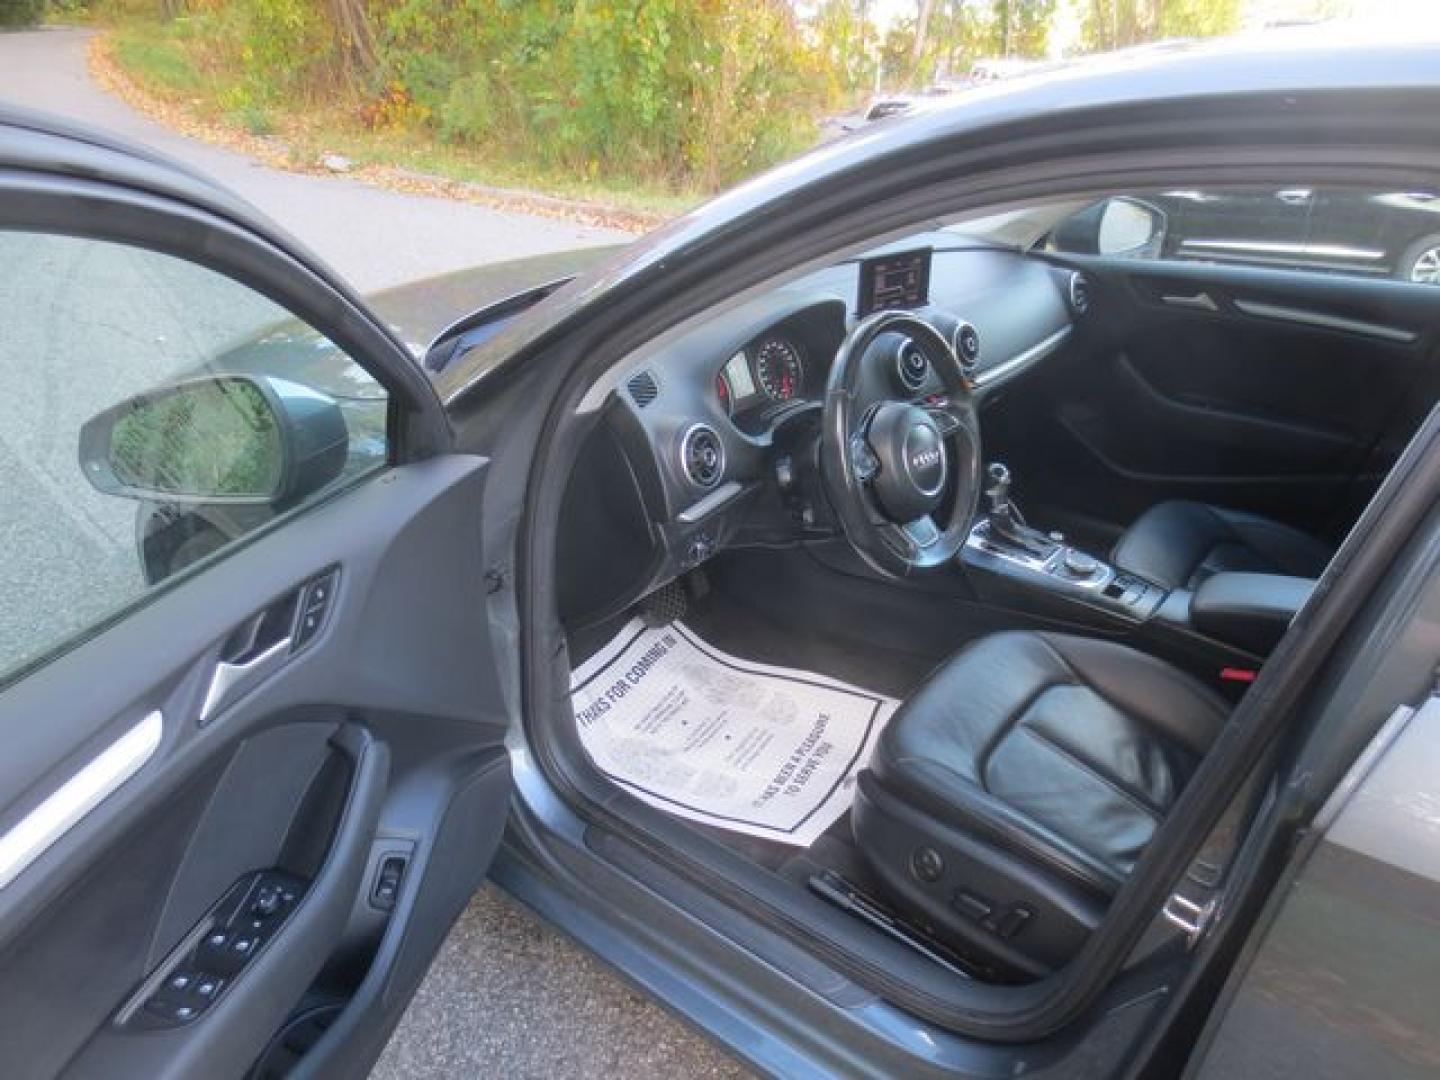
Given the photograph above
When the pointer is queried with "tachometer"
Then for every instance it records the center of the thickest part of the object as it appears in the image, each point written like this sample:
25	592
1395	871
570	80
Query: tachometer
778	369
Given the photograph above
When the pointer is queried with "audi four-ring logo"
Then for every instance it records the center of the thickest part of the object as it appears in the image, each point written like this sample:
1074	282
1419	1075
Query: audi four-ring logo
925	459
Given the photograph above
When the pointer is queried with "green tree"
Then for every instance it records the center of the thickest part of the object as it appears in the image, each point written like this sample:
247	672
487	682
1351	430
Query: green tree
21	12
962	31
1024	26
1116	24
843	41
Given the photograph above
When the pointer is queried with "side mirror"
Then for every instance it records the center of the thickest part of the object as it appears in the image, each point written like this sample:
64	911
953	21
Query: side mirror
237	439
1118	227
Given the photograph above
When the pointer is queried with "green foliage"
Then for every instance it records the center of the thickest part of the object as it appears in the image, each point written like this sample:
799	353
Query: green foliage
1024	26
963	31
676	91
21	12
667	95
1115	24
843	42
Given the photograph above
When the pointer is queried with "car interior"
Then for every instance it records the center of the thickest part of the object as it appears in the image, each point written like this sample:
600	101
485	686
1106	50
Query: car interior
1008	514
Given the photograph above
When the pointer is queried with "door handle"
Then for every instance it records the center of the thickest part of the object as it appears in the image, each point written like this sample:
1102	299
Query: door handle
1199	302
232	678
256	648
1294	196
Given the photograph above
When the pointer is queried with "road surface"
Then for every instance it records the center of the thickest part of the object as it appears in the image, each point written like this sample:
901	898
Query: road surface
507	996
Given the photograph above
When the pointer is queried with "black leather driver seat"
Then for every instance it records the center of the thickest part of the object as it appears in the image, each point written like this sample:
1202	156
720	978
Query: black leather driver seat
1179	544
1011	795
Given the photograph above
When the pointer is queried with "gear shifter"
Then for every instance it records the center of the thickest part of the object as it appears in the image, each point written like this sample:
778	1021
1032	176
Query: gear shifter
1006	524
997	495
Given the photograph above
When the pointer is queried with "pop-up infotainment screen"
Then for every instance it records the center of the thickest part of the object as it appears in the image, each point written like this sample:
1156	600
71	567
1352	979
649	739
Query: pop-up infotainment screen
901	280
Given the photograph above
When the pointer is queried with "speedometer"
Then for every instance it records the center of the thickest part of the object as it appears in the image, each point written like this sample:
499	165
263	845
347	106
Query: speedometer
778	369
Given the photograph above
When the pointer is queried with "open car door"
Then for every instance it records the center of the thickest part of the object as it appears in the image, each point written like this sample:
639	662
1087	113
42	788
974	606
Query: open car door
253	723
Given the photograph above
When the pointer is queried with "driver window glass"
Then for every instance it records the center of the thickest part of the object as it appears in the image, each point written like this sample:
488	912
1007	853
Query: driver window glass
1380	235
98	513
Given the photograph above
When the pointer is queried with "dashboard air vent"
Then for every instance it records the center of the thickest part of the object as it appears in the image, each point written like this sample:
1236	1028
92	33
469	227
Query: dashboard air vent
1079	294
967	346
643	389
911	367
702	456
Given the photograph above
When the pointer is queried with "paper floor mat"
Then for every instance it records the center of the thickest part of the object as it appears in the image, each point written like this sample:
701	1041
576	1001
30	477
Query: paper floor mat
766	751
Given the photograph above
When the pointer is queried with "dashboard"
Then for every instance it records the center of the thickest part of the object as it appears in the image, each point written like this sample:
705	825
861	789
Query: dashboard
714	431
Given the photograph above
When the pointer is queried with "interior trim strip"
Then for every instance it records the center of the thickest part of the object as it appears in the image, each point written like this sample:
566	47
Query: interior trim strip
1023	360
1328	322
710	503
32	835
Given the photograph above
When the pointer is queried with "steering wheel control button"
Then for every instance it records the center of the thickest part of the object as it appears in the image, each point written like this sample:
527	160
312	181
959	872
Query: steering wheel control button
927	865
863	459
945	421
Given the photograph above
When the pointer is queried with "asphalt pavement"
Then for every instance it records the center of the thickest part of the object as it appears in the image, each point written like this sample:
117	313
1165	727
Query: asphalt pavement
507	996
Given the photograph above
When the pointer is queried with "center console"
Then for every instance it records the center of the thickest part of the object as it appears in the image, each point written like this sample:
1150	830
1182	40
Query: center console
1001	544
1222	630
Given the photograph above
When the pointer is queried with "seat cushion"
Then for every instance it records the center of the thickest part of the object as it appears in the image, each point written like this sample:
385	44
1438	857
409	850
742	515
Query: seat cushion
1180	544
1064	751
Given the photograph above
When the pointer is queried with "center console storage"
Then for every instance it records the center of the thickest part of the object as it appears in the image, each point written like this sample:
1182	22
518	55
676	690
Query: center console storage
1251	611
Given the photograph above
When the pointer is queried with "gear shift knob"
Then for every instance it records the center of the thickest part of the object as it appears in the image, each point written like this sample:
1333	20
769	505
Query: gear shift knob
998	493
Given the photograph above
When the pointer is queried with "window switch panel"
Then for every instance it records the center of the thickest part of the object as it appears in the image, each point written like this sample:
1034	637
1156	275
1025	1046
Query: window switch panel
237	929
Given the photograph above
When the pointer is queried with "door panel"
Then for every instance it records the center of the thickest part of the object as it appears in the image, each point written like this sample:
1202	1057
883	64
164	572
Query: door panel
356	751
1285	393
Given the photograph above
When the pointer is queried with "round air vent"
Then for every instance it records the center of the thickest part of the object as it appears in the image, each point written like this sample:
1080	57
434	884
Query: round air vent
1079	294
702	456
911	367
967	345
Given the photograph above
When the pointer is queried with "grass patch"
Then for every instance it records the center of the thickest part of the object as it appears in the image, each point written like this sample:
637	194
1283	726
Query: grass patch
410	151
155	57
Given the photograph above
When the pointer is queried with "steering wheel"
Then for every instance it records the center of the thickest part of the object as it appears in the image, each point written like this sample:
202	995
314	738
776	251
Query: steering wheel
901	467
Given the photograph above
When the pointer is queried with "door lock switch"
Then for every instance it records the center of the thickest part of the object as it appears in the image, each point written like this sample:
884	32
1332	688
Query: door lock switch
387	882
315	600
